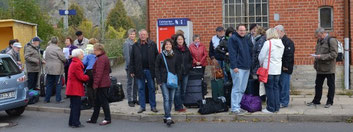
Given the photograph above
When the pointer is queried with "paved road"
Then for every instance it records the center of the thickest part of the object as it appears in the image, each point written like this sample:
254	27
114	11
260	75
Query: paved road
54	122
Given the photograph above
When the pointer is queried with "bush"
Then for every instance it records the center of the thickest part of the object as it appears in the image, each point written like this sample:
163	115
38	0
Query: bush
114	47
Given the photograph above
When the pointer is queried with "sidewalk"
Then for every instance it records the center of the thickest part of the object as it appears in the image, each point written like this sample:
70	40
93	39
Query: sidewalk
341	111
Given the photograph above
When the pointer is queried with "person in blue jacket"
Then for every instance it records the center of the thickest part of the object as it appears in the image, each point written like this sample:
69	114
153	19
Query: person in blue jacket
240	55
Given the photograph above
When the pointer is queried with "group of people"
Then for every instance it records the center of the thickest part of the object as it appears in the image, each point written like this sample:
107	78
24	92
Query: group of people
239	53
144	63
83	61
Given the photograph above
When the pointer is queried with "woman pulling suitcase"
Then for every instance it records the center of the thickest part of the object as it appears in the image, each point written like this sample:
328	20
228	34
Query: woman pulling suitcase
164	59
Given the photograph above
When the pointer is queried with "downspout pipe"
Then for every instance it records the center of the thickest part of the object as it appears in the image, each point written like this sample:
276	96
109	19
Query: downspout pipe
346	45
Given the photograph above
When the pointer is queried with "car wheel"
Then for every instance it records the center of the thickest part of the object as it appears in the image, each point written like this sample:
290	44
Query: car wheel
16	111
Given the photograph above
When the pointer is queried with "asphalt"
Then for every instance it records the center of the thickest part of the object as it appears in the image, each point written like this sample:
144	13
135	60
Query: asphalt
341	111
32	121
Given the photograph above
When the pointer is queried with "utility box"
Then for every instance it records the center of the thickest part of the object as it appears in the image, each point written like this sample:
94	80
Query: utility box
167	27
15	29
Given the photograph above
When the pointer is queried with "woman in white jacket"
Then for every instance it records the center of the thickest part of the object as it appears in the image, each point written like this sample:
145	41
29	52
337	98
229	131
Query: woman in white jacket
274	72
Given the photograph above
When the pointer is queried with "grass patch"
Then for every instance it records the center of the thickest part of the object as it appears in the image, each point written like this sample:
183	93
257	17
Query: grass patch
294	92
349	93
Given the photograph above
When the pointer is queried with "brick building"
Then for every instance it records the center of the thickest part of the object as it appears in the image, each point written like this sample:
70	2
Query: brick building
299	17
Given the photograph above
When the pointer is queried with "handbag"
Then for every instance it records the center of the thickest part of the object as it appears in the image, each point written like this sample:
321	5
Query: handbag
172	79
251	103
217	71
263	72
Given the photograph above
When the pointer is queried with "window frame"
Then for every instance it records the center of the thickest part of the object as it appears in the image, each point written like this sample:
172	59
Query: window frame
245	16
319	19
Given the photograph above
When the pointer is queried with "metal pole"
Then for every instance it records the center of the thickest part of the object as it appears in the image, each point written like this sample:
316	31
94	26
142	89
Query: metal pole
102	19
66	16
346	45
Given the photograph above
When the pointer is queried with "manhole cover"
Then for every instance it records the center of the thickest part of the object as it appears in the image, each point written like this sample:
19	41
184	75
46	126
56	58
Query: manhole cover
4	125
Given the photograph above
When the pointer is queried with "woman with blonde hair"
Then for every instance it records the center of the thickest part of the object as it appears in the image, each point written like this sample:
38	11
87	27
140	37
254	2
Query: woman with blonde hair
270	58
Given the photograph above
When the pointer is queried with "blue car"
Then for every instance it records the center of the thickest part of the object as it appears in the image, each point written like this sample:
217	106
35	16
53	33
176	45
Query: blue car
13	87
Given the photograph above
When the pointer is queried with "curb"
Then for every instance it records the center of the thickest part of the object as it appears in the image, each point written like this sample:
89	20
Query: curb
211	118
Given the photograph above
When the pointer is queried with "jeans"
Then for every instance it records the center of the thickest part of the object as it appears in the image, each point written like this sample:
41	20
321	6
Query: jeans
75	110
320	78
53	80
168	95
131	88
180	93
284	89
240	81
272	93
151	89
101	101
32	80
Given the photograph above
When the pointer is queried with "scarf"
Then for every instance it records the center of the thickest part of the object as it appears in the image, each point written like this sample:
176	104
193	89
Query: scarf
181	48
168	53
197	44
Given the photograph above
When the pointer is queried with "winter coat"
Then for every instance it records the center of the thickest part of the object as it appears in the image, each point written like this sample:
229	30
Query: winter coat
76	78
135	66
32	58
184	59
215	41
81	45
71	48
199	54
127	48
14	55
277	50
222	49
288	55
88	61
326	64
256	51
101	71
161	70
55	60
240	52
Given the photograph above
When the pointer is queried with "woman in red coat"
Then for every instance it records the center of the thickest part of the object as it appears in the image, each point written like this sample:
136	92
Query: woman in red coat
101	83
75	88
198	52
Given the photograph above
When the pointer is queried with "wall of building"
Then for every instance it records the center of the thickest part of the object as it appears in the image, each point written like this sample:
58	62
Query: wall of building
206	15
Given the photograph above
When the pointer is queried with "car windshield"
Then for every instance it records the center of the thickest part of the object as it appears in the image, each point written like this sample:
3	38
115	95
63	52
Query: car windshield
8	67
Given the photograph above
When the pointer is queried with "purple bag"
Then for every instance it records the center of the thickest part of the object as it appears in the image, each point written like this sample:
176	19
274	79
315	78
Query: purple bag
251	103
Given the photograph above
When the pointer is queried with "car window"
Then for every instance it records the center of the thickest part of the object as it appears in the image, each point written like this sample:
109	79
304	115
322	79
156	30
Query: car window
8	67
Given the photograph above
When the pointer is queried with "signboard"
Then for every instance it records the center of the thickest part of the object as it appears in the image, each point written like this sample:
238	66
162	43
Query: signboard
173	22
67	12
164	33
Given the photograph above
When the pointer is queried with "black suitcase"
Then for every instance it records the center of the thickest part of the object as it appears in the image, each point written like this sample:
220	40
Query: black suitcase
196	73
253	87
193	93
116	92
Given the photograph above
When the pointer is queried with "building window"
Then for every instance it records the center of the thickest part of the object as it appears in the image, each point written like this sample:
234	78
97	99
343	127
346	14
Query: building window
326	17
245	12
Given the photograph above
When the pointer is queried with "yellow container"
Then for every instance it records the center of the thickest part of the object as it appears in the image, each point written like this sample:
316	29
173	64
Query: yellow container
16	29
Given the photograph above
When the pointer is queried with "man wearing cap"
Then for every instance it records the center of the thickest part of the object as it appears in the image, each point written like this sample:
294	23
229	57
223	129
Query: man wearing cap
81	42
33	62
15	53
214	43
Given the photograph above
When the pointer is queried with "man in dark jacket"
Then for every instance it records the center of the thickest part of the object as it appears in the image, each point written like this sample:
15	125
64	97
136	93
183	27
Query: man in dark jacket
287	66
239	48
215	41
325	66
142	64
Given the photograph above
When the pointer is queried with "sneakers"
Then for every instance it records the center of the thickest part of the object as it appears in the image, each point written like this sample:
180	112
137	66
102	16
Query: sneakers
154	110
239	112
311	104
266	111
141	110
169	122
131	104
328	105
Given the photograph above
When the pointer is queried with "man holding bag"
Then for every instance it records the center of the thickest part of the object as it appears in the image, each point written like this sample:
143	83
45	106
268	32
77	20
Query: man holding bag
240	49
